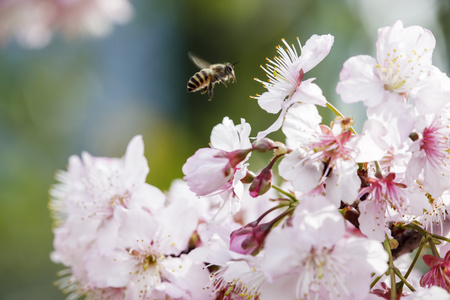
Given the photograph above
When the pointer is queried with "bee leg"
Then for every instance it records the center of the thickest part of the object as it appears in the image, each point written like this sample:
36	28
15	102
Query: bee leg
223	81
210	91
204	90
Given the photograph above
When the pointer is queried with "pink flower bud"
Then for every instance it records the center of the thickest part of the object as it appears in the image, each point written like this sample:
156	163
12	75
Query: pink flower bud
249	176
208	171
250	238
262	183
263	145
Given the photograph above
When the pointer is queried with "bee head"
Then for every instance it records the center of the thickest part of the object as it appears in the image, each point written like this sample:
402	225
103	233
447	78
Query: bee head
229	70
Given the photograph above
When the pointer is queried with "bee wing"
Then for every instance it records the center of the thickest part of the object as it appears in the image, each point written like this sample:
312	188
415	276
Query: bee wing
201	63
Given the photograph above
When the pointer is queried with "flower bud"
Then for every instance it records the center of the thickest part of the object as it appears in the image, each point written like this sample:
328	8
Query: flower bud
262	183
236	156
249	176
250	238
207	171
263	145
280	149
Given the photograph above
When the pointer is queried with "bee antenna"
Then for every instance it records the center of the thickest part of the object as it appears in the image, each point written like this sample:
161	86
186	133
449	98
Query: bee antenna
235	63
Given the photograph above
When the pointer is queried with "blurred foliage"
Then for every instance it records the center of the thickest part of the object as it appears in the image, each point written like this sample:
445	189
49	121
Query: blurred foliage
95	95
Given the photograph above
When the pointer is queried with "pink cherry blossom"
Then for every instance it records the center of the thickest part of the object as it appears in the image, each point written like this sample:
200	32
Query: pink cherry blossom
434	214
208	171
33	22
141	252
403	64
316	234
219	169
321	154
430	161
439	274
93	187
399	78
312	259
88	195
285	85
382	193
127	246
237	280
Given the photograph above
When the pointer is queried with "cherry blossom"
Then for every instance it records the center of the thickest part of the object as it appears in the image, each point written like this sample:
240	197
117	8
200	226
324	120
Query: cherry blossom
439	271
285	86
337	221
142	253
88	195
403	64
434	214
382	194
317	261
219	169
400	77
321	154
93	187
430	161
33	22
237	280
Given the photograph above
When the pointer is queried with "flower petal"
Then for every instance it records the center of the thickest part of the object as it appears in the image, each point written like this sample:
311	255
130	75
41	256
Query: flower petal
315	50
359	82
309	92
271	101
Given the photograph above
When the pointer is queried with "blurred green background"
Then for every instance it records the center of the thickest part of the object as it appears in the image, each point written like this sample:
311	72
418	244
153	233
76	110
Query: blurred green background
94	95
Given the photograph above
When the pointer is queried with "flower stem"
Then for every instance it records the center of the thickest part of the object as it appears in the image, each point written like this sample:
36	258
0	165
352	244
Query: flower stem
280	190
375	281
379	171
447	240
403	279
338	113
425	233
387	247
270	210
433	247
416	257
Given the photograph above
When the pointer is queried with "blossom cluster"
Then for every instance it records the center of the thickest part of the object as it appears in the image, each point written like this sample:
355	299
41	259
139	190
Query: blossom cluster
338	221
33	22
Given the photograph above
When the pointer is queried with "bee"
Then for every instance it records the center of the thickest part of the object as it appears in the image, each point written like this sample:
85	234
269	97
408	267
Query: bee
209	75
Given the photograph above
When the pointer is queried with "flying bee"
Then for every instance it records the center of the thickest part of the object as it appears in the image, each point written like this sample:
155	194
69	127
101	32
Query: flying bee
209	75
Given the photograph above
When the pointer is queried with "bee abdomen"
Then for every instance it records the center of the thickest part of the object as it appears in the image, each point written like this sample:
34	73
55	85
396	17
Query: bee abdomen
198	81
